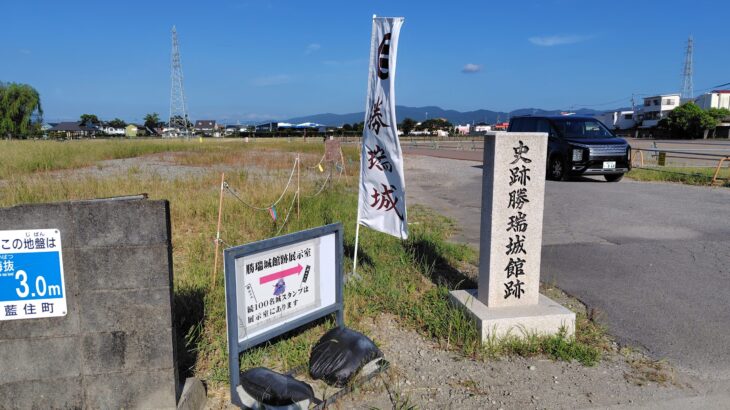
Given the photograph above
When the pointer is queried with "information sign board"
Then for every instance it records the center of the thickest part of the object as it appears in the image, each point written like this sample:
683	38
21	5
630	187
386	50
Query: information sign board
31	274
276	285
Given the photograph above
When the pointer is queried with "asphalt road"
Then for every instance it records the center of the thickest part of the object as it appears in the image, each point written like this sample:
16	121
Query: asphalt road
653	259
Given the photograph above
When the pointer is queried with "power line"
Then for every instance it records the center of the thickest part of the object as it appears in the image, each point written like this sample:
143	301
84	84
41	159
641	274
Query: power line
600	104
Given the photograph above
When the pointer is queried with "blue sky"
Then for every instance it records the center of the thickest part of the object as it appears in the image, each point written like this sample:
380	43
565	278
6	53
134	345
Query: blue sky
256	60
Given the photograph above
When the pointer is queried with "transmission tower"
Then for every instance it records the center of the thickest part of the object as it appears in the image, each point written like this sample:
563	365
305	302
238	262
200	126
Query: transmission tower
687	86
178	122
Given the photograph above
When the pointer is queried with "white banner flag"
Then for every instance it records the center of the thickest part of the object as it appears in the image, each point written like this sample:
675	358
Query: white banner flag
382	204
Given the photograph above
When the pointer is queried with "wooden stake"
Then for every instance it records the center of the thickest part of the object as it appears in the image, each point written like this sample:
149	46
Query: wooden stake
218	229
342	158
298	169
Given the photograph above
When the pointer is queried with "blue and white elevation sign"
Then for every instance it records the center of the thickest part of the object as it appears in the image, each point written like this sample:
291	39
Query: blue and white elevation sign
31	275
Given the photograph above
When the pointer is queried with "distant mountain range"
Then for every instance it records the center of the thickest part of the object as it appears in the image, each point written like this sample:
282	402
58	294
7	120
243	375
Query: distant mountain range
420	113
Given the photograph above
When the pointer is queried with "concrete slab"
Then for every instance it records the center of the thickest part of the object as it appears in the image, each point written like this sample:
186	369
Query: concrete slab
193	395
547	317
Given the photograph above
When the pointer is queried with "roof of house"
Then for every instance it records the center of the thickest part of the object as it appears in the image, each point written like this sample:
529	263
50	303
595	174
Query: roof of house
721	91
72	126
204	123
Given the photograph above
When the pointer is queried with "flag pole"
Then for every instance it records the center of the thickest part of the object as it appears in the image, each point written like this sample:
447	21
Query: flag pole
357	238
357	222
218	230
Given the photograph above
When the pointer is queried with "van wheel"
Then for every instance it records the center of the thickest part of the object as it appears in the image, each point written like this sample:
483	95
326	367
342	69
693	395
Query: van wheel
556	169
613	177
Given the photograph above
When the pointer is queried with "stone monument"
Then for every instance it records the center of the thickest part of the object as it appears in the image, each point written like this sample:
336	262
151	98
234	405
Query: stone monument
508	301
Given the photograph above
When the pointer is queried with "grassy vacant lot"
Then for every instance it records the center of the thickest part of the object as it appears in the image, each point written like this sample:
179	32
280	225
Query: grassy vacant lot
684	175
409	279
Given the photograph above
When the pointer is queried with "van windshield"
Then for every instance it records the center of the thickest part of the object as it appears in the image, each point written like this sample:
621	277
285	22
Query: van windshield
580	128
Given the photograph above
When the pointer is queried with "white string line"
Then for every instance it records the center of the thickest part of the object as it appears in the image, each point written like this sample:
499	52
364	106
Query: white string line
229	189
288	213
324	185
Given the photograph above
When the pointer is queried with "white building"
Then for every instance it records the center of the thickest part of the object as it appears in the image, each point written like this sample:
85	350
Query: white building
715	99
617	120
109	130
655	108
463	129
482	127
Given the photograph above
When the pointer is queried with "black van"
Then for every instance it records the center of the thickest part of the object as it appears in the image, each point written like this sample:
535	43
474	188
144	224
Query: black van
578	146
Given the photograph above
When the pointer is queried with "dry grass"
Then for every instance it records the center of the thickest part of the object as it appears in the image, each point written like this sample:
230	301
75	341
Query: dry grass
645	371
408	279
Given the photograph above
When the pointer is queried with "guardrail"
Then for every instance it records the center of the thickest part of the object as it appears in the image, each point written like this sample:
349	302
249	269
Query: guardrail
662	154
464	144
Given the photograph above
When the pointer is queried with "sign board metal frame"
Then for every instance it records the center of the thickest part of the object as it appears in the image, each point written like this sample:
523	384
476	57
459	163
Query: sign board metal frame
230	255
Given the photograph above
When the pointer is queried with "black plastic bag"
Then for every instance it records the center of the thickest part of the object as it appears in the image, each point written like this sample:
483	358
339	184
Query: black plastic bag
340	354
274	389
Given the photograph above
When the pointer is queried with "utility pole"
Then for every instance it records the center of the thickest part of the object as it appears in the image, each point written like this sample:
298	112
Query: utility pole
687	85
178	122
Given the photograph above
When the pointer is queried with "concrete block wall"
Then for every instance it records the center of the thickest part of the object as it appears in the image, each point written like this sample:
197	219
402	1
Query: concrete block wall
115	348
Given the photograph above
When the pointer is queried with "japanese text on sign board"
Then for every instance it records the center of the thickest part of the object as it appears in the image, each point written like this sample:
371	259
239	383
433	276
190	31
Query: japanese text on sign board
31	274
277	284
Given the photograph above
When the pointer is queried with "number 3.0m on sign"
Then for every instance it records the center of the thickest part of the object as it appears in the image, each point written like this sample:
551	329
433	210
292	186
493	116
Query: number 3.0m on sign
31	274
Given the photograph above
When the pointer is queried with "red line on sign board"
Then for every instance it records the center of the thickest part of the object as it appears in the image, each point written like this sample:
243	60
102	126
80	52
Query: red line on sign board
278	275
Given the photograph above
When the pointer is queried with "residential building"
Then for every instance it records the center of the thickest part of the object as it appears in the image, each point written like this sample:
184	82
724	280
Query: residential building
109	130
617	120
482	127
273	126
714	99
72	130
463	129
131	131
655	108
205	126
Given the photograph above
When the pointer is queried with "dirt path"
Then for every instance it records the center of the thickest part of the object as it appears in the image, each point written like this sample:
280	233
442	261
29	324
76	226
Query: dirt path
430	377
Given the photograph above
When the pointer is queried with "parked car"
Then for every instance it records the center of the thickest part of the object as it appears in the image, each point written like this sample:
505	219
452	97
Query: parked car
578	146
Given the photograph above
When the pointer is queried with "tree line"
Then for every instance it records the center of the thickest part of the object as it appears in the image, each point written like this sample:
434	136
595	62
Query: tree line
21	113
689	120
408	125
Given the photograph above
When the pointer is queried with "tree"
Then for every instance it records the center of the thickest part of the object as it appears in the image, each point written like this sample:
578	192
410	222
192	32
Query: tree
89	119
719	114
435	124
688	121
407	126
20	110
152	121
346	127
117	123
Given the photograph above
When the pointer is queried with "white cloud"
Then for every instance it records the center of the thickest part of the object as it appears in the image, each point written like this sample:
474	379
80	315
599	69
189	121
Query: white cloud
471	68
312	48
549	41
270	80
